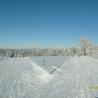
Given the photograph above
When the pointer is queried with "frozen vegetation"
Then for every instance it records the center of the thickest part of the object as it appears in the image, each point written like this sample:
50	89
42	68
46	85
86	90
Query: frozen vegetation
85	47
70	77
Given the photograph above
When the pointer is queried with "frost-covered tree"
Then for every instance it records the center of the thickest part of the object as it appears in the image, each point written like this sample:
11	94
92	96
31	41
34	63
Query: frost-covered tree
86	46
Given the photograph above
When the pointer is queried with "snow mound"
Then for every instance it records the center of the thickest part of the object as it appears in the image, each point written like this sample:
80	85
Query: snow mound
23	78
19	77
40	73
73	80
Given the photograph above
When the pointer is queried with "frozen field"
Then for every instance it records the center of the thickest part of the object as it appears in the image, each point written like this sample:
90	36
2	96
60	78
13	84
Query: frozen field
49	77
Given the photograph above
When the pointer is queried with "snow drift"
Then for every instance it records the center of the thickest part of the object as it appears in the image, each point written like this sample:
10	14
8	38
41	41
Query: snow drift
23	78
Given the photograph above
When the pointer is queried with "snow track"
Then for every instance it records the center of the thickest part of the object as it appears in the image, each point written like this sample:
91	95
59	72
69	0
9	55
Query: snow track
74	80
17	76
23	78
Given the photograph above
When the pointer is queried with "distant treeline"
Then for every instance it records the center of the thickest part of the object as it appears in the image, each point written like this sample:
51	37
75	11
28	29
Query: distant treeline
86	47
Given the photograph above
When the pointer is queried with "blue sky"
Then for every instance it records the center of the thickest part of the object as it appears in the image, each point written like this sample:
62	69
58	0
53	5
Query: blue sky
47	23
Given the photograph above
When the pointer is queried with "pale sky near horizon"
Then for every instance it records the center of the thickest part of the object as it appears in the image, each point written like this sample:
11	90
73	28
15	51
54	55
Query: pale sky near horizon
47	23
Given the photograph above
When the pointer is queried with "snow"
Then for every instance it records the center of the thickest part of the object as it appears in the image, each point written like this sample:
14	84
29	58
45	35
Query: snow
49	62
30	78
18	75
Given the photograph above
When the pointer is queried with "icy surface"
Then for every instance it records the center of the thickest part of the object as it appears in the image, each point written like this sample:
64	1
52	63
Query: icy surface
24	78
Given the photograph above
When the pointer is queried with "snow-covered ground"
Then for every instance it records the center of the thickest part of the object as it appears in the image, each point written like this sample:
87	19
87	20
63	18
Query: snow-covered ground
32	77
50	63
